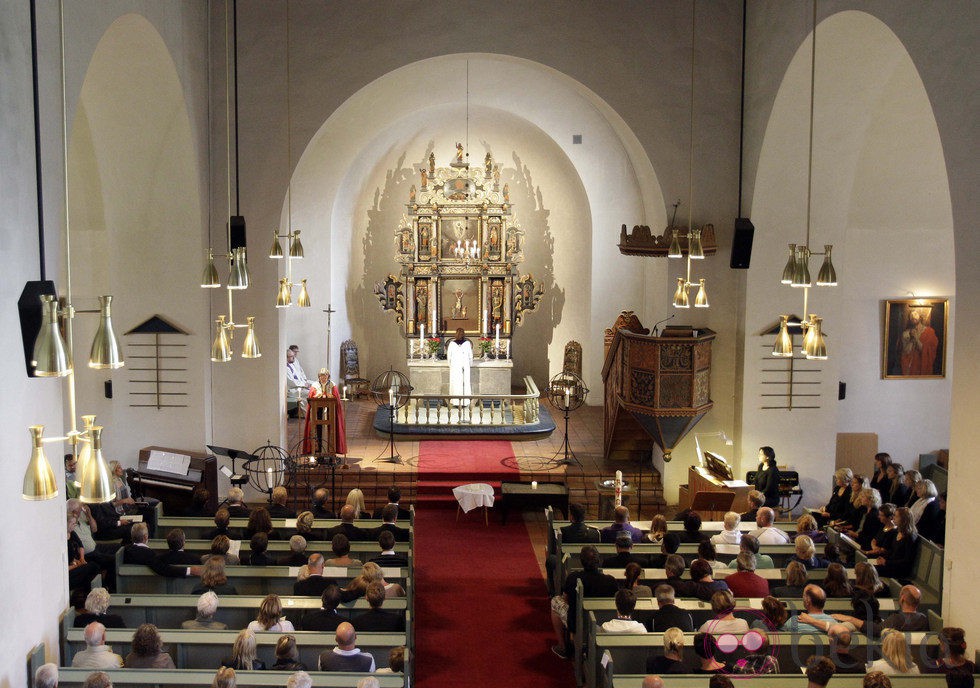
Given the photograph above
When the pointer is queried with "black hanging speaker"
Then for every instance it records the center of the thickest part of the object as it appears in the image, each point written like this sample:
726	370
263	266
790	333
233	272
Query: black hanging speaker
236	229
742	243
29	308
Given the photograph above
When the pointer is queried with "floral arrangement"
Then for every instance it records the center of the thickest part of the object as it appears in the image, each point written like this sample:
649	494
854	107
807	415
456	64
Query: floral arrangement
433	344
486	345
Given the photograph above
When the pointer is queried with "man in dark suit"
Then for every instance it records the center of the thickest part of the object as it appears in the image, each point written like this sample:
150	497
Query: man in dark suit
110	525
347	527
624	554
577	531
669	614
138	552
377	619
574	533
175	562
278	508
389	514
326	618
297	553
388	556
237	508
316	583
674	567
394	495
320	509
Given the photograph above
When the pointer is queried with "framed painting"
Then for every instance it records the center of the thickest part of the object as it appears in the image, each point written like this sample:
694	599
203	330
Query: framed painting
914	340
458	231
459	305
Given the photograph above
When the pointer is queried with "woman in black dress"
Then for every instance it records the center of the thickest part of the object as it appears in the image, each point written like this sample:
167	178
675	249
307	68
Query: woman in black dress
898	563
897	493
880	480
840	499
767	477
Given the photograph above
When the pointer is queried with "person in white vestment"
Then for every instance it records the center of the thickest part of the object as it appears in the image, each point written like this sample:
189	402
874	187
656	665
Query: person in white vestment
297	385
459	353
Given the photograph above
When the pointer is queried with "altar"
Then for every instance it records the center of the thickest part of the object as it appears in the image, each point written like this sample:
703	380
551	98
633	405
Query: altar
487	375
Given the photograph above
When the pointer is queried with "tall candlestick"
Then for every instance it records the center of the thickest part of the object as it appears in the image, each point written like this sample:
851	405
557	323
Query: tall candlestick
486	323
568	397
391	397
497	335
421	337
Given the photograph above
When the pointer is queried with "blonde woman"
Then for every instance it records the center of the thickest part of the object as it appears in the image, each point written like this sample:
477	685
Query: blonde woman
807	525
225	678
213	578
806	553
370	573
896	657
119	485
837	508
658	528
355	498
244	654
672	660
270	617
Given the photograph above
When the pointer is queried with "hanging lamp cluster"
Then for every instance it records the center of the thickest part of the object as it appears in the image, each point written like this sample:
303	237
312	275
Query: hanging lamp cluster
239	278
796	272
52	356
692	236
284	297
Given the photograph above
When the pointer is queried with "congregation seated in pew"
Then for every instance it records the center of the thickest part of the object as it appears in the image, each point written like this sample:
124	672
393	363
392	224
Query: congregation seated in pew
207	607
97	609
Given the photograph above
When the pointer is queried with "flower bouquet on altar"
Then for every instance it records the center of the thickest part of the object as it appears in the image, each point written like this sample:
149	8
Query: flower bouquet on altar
486	346
432	345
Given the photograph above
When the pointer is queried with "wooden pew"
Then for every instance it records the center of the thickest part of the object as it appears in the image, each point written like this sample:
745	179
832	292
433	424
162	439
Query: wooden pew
359	549
201	678
206	649
170	611
784	680
195	527
629	651
604	608
248	580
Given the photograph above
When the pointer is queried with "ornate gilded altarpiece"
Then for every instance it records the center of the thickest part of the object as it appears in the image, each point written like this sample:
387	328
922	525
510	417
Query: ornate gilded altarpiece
460	251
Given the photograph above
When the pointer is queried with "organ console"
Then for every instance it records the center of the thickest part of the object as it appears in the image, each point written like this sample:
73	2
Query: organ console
714	477
174	489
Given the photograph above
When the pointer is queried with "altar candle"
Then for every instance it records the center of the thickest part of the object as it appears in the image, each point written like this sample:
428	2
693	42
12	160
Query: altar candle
391	396
268	474
507	345
568	397
619	488
421	337
534	484
486	323
497	335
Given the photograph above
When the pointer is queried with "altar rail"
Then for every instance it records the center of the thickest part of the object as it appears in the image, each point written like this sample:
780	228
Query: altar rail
474	409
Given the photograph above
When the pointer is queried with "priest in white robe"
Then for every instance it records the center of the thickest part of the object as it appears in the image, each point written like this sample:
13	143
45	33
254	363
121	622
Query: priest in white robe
459	353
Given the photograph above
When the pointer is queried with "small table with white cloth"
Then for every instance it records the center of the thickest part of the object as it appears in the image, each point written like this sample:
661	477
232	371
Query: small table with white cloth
473	496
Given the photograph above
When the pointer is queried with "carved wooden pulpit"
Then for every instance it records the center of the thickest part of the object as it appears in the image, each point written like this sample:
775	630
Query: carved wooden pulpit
656	388
323	426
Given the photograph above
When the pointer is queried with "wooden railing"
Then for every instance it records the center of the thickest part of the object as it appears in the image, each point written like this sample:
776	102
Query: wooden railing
474	409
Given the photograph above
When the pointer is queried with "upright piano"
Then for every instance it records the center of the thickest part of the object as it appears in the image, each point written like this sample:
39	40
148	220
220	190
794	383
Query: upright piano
174	489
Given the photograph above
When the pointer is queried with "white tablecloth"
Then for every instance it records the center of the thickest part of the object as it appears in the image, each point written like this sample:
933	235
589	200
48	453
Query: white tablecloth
473	496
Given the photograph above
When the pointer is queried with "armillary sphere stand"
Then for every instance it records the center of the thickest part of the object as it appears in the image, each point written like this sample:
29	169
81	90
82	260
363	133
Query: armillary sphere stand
391	390
567	393
305	462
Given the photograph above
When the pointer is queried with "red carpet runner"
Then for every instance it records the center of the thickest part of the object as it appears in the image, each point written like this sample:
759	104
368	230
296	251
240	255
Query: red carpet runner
482	613
465	458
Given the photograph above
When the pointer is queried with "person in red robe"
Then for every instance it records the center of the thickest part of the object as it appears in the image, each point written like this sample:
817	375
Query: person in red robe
321	388
919	345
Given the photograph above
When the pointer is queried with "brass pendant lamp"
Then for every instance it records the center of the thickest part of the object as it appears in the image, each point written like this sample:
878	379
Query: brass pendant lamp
796	272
